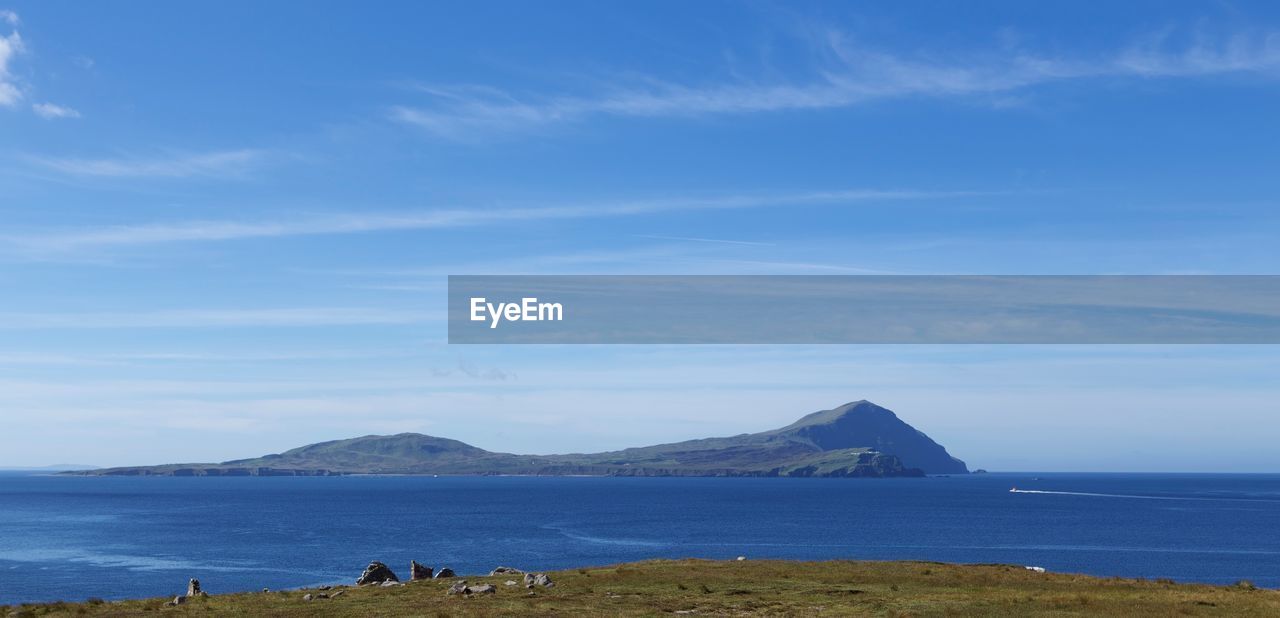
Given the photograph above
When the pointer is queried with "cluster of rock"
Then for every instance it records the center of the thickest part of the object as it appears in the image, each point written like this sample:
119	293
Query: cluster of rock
323	595
381	575
193	591
531	580
461	587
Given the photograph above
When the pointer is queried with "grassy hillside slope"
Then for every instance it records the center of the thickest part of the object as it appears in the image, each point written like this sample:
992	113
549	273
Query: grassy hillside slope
751	587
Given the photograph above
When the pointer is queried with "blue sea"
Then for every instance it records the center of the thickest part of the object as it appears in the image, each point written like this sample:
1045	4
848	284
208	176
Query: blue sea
72	538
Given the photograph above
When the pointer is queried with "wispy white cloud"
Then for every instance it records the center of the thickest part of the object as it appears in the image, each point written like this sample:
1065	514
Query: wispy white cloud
1154	56
847	75
10	46
706	240
652	259
52	110
347	223
175	165
791	267
201	357
215	318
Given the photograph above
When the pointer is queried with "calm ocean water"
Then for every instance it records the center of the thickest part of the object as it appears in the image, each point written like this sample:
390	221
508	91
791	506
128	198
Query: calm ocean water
72	538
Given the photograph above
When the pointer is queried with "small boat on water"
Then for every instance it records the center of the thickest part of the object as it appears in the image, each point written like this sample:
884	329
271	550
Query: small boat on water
1013	490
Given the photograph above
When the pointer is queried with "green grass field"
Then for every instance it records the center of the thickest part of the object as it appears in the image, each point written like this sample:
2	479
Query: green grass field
736	588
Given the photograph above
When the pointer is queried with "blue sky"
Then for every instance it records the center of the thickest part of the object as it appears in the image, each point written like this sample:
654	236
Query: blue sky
225	228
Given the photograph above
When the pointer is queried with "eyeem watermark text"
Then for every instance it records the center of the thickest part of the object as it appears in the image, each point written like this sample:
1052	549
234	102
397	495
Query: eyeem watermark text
527	310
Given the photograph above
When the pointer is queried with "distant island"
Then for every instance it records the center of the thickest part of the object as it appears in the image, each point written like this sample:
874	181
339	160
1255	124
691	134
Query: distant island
858	439
48	468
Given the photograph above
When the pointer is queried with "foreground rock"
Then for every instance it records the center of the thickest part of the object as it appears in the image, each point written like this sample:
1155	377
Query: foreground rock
538	579
418	571
444	573
193	591
376	573
505	571
461	587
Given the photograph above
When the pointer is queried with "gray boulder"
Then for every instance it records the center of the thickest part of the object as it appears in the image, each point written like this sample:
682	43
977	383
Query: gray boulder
193	588
178	600
444	572
505	571
461	587
418	571
538	579
376	573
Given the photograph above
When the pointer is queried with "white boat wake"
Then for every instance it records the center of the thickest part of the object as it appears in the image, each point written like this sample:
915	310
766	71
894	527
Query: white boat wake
1095	495
1015	490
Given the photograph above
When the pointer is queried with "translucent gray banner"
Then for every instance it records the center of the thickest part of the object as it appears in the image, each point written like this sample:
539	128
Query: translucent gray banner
863	309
